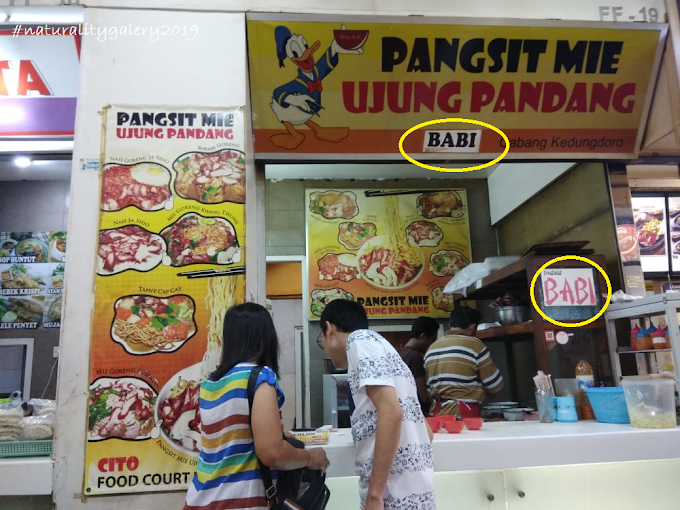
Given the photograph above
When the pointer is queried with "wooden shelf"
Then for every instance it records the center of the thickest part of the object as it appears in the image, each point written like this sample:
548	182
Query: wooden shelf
621	350
512	329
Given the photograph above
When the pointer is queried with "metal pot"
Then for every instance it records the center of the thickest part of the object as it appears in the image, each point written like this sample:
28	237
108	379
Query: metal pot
512	314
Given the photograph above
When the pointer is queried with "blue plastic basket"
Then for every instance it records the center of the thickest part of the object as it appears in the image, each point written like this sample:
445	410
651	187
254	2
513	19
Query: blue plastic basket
609	404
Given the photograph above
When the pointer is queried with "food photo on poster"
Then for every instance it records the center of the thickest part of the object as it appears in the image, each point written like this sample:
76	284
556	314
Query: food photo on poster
396	254
652	232
31	279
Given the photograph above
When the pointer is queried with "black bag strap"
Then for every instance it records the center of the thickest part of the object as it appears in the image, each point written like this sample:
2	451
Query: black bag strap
265	472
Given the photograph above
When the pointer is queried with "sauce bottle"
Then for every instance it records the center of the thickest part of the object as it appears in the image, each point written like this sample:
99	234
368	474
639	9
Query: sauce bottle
586	379
633	339
643	341
659	339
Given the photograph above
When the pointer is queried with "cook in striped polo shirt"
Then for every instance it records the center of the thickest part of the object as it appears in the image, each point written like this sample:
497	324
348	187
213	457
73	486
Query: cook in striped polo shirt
459	367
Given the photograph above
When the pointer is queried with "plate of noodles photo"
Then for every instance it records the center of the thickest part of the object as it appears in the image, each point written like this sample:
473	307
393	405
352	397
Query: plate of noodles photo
145	324
177	410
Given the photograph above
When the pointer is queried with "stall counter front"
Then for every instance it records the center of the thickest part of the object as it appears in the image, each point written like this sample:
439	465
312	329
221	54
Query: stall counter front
534	466
26	476
507	445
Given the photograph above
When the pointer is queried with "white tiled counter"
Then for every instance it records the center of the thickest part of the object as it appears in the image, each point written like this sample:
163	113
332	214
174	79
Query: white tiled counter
534	466
26	476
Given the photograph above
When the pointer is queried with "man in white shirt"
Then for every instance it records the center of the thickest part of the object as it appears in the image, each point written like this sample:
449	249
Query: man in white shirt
395	469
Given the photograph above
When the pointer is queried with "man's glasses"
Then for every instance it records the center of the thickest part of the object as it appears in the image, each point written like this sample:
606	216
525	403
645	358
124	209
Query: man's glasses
319	339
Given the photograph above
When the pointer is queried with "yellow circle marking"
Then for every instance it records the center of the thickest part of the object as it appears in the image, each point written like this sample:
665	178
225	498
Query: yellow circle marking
442	121
571	324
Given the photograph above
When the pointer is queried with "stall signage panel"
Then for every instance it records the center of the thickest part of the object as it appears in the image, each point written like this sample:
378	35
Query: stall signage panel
170	262
554	90
32	276
38	83
568	287
393	251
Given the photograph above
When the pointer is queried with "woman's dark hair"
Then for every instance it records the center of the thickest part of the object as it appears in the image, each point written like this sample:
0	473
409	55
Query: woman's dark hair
424	326
347	316
464	317
248	336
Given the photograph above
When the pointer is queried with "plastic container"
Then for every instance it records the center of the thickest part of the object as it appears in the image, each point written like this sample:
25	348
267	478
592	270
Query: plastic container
633	337
473	423
454	427
643	342
659	339
609	404
435	423
650	402
566	410
586	379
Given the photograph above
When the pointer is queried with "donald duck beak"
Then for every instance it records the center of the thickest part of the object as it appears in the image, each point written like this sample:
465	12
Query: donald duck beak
306	61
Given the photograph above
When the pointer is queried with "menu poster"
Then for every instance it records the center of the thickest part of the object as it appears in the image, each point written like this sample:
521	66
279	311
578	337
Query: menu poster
170	263
650	224
32	276
393	251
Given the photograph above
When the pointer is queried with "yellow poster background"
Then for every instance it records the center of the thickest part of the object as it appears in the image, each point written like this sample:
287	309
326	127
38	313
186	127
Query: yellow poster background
350	230
124	458
413	68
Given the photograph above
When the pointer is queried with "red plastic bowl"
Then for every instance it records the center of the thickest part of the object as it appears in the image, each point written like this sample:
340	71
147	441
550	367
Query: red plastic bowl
351	39
435	423
473	423
454	427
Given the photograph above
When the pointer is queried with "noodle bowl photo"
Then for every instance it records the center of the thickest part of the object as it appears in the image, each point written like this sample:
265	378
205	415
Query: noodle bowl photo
148	324
177	407
212	177
388	265
194	239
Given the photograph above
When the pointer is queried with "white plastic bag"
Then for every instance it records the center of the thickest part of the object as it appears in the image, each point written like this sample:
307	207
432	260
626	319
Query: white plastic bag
466	277
37	427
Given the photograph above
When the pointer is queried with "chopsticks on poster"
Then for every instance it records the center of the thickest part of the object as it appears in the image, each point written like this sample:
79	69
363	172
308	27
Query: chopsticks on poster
209	273
384	193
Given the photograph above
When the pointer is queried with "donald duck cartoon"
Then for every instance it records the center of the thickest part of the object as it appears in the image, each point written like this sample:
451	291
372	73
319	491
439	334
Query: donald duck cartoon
298	101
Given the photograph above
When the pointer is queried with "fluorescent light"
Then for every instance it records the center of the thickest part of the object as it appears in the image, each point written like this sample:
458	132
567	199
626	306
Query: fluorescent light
33	146
22	162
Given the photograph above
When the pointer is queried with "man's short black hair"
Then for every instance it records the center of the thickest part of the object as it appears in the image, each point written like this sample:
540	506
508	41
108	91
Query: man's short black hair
464	317
424	326
347	316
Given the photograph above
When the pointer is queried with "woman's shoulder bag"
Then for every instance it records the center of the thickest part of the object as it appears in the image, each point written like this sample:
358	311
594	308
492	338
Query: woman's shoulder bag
297	489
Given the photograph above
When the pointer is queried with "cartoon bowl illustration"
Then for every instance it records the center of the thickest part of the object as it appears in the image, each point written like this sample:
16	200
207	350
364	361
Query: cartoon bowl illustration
350	39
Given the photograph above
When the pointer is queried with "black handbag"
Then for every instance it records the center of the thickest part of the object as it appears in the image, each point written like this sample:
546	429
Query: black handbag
298	489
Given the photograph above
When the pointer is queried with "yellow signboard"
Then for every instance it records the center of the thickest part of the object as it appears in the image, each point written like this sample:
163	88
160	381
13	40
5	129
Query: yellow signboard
354	87
393	251
170	261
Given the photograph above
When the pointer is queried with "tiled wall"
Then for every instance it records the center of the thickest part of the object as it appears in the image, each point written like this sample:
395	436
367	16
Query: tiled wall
285	234
29	206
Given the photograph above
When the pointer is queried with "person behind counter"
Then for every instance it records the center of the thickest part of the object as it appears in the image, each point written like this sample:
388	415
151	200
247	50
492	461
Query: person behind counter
423	334
459	367
393	442
234	441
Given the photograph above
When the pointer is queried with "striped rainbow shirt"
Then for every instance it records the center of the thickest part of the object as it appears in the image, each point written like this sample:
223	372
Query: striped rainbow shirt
227	474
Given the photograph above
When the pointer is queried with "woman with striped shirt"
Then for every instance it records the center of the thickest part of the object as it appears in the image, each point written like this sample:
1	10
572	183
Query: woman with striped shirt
228	475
